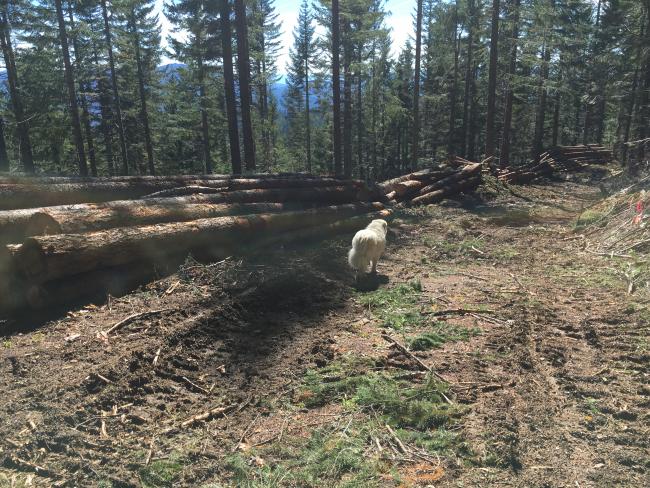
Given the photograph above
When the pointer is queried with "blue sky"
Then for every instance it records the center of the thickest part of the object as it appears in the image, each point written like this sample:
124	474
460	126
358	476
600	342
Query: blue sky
399	20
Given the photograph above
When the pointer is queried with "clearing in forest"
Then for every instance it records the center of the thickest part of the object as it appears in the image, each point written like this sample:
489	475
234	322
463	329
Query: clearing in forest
494	350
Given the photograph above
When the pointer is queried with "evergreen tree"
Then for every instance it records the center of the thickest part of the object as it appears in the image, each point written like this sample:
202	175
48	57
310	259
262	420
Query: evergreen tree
298	94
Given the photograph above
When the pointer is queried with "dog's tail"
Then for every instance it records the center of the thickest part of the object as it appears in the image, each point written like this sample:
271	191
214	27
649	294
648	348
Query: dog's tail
358	257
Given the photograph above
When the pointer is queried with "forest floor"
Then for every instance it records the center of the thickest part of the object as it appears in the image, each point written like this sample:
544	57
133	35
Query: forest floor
544	356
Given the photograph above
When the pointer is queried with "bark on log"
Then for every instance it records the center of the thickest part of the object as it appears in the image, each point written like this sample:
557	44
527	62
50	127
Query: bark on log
467	172
320	232
47	258
423	175
407	187
25	179
455	188
78	221
15	225
15	196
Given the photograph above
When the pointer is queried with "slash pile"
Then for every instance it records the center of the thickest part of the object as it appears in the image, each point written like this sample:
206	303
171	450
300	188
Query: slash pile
558	159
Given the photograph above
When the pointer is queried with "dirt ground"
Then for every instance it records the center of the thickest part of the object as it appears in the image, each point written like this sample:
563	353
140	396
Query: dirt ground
539	356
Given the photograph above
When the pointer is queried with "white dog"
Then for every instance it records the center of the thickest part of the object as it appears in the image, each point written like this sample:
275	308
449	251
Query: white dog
367	247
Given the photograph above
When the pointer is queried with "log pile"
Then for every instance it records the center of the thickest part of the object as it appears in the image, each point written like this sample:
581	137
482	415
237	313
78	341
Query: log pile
433	185
558	159
65	238
62	239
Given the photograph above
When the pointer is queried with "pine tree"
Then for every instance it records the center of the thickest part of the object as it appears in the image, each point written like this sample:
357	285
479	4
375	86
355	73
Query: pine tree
245	95
298	73
22	123
142	31
108	39
229	86
192	18
490	137
416	87
336	87
264	46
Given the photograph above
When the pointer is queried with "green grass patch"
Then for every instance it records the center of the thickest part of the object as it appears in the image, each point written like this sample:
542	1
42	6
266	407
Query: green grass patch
590	217
442	332
161	473
397	307
342	454
399	402
329	458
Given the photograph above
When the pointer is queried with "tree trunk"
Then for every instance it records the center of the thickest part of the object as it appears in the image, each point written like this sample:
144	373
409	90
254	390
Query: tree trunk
556	118
78	219
4	157
116	92
47	258
30	196
307	116
473	114
106	118
453	92
85	116
415	135
347	102
359	104
22	124
336	89
229	87
538	141
205	128
72	94
469	74
144	114
504	156
243	63
490	133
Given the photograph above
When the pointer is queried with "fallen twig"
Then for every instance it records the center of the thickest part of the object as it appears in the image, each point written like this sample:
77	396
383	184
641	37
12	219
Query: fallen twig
401	446
241	438
408	353
155	358
205	266
26	465
194	385
150	452
135	316
214	412
459	311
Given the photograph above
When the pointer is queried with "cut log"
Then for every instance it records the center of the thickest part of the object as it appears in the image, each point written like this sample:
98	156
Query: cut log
15	225
407	187
455	188
185	190
350	225
73	220
463	174
15	196
25	179
423	175
47	258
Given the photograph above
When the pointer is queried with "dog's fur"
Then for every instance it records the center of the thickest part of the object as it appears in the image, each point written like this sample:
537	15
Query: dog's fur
367	247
